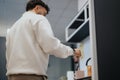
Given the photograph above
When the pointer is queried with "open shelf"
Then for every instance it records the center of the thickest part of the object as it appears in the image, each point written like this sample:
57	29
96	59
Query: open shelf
78	28
85	78
78	21
80	34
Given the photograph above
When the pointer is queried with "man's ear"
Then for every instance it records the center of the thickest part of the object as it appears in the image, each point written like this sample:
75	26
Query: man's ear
36	7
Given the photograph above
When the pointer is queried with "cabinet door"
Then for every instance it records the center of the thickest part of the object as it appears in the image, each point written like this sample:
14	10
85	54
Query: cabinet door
2	59
107	25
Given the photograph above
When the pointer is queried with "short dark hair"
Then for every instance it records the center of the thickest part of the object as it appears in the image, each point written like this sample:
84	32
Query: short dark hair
32	3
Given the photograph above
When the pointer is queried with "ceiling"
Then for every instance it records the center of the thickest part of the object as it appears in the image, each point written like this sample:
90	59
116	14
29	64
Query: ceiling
61	13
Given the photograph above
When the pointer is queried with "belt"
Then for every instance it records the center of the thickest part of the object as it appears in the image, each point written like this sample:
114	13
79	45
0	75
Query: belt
42	76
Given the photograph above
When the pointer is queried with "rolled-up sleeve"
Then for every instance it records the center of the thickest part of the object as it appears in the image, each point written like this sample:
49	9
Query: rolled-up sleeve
49	43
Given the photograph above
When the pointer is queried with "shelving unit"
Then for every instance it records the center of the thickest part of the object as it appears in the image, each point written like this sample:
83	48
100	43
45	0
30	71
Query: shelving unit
86	78
78	28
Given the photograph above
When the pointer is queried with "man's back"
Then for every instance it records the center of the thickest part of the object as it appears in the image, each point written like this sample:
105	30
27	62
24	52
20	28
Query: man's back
23	50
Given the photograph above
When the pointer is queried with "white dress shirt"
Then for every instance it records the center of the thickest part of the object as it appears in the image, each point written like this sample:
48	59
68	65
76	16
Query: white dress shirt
29	43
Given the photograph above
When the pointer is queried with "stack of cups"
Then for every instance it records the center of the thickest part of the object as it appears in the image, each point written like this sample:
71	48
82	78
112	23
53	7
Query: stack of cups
70	75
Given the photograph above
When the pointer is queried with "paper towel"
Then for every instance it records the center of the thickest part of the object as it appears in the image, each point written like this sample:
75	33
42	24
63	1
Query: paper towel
70	75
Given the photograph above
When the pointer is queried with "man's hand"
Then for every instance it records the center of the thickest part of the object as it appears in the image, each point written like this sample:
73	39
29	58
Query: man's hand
77	54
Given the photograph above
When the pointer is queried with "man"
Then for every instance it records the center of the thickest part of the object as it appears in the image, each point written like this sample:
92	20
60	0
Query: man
29	43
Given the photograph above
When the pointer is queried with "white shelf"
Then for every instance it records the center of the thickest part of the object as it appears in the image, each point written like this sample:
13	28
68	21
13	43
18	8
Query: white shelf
78	28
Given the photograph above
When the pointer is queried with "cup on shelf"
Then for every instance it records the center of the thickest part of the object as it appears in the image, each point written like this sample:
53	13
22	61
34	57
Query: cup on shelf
89	68
79	74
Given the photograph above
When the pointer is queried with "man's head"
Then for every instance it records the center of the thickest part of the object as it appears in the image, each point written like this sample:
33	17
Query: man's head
38	6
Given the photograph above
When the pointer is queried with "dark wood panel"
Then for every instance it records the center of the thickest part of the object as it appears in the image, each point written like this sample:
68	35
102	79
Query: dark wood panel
107	17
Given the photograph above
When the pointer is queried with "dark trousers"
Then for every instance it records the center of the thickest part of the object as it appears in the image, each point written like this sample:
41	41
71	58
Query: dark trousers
26	77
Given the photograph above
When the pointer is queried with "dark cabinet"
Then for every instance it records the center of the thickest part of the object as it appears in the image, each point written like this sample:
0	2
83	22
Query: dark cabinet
107	25
2	59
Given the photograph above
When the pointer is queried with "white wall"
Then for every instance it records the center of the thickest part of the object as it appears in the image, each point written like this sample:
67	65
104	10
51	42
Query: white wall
10	11
81	3
86	53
